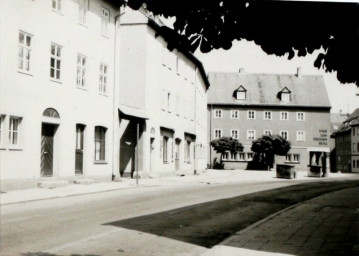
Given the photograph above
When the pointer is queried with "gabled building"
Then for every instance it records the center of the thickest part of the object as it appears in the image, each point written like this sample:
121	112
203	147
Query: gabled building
347	144
246	106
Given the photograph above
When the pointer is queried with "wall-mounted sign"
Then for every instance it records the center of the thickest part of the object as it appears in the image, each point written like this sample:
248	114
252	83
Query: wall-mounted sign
322	138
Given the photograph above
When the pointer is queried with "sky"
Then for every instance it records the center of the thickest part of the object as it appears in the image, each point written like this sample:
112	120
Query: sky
253	59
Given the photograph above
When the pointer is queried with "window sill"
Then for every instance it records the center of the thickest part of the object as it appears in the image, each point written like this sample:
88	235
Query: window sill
2	148
166	162
55	81
14	148
100	162
290	162
83	24
24	72
105	36
103	94
58	12
81	88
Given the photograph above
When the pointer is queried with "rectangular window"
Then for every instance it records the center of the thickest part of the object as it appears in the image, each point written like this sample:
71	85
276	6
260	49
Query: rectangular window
288	158
81	70
267	115
100	143
2	122
251	114
300	136
235	134
250	156
354	146
24	57
233	156
285	97
267	132
284	134
234	114
241	95
358	146
83	7
218	113
353	163
251	134
300	116
225	156
105	19
165	149
296	158
188	151
103	79
169	102
241	156
56	5
357	163
283	115
357	130
14	130
55	62
217	133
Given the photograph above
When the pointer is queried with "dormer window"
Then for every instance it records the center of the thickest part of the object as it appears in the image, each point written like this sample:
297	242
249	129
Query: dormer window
240	93
284	95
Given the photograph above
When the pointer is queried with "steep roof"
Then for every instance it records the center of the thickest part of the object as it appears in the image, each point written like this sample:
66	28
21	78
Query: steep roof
351	121
352	116
263	89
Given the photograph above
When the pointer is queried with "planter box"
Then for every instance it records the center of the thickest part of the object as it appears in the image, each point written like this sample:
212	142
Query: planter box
314	171
285	171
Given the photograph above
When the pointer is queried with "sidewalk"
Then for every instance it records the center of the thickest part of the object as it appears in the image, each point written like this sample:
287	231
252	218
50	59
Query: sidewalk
209	176
325	225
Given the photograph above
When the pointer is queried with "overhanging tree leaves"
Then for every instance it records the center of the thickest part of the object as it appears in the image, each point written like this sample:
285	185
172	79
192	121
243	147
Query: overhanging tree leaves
226	144
279	27
267	146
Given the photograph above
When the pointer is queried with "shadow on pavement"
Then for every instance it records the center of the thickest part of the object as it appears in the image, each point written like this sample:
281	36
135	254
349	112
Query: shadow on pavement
208	224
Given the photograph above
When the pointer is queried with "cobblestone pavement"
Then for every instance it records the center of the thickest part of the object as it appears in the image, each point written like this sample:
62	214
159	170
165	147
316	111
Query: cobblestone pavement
325	225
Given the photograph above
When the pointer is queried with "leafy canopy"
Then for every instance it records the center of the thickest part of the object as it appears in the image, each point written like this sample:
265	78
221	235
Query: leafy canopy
279	27
226	144
271	145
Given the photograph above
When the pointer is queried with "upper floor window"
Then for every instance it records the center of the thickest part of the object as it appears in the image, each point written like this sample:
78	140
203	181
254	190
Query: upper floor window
300	116
81	70
267	115
284	115
14	130
2	122
218	113
235	134
55	62
284	134
217	133
56	5
267	132
300	136
24	51
100	143
234	114
105	19
103	79
284	95
251	114
83	7
251	134
240	93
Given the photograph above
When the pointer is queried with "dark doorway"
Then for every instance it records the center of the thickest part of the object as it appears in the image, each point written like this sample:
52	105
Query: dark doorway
177	154
47	149
79	158
152	153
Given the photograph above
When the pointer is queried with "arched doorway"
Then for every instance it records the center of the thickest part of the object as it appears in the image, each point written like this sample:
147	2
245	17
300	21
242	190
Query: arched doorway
48	130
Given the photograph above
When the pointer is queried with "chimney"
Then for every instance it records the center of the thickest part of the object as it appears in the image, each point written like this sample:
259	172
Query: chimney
241	70
299	72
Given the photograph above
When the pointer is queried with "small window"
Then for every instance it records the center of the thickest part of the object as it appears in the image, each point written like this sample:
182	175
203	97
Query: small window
251	134
300	136
235	134
250	156
225	156
105	19
354	146
14	130
267	132
251	114
218	113
83	7
81	71
234	114
169	102
285	97
284	134
165	149
217	133
241	95
50	112
56	5
296	158
283	115
2	122
103	79
241	156
267	115
187	152
288	158
358	146
100	143
353	163
55	62
25	55
300	116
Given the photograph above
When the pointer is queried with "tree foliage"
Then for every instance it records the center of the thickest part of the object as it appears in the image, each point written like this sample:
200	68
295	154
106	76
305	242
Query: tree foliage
267	146
279	27
226	144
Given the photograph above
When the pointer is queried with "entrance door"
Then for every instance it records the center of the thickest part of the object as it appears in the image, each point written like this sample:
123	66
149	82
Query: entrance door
152	149
47	149
79	149
177	154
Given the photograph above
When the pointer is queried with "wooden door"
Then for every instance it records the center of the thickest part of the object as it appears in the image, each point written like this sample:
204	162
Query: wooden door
79	152
47	149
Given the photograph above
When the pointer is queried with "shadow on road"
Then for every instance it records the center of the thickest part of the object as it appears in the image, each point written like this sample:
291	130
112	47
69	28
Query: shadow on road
208	224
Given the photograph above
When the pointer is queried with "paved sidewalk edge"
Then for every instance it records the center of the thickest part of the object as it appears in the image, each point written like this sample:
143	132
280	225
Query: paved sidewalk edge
75	194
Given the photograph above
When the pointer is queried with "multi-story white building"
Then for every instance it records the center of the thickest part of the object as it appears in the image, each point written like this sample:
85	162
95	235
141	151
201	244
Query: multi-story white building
66	78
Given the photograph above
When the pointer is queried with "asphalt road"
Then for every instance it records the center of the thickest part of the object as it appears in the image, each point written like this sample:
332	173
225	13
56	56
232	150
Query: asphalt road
146	221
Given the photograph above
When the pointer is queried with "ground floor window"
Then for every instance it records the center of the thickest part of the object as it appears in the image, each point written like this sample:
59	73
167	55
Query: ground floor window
14	130
100	143
187	152
165	149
